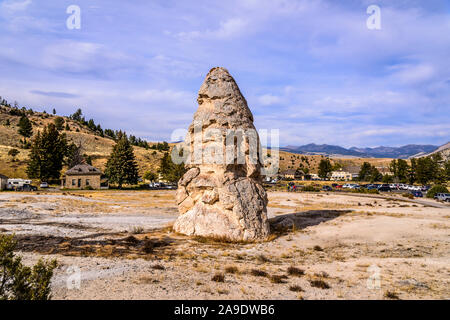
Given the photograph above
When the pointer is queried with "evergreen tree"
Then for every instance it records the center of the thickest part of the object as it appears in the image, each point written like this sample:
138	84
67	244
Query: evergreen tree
59	123
74	155
47	154
369	173
325	168
121	166
170	171
88	159
54	111
25	127
150	176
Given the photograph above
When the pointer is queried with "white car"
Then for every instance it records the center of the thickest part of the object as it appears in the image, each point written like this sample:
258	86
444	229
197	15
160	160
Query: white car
43	185
442	197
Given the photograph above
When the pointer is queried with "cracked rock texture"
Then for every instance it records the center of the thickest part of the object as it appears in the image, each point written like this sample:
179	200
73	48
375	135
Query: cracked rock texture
222	199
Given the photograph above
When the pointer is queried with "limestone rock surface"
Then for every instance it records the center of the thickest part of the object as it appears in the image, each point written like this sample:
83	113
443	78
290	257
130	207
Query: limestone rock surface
221	194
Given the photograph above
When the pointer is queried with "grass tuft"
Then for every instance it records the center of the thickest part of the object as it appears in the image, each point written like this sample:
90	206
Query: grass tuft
293	271
296	288
218	277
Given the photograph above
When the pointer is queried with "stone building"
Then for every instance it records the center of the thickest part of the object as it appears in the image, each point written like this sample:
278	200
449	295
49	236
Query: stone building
293	174
3	182
82	176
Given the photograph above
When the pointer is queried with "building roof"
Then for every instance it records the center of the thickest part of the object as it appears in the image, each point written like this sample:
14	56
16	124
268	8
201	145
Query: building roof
3	177
83	170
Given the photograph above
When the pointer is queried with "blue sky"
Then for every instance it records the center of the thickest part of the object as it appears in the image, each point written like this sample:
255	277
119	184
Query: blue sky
309	68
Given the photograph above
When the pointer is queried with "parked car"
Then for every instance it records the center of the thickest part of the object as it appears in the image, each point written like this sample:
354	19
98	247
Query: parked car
442	197
417	194
327	188
26	187
154	185
43	185
384	187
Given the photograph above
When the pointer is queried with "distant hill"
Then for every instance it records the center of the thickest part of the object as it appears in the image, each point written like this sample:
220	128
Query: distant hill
444	150
403	152
322	149
93	144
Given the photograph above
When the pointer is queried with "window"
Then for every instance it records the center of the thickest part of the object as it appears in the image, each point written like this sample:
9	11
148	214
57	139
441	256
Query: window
87	182
74	182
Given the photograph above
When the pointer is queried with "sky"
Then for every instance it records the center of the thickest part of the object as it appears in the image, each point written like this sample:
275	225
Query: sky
312	69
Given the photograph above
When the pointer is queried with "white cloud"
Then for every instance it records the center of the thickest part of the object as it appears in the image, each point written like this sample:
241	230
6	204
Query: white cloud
268	99
15	5
228	29
411	74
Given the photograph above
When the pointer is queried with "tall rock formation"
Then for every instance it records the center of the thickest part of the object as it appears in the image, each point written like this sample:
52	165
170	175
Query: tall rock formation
221	194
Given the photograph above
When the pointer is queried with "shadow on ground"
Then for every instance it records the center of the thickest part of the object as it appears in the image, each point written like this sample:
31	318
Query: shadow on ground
300	220
137	246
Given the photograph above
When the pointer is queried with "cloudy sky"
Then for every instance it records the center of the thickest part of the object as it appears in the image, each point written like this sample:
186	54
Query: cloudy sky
309	68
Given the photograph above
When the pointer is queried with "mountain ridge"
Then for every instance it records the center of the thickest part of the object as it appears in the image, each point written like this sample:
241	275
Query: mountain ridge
402	152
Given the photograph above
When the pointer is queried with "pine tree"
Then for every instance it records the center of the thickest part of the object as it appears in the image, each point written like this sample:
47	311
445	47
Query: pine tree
74	155
121	167
325	168
47	154
59	123
170	171
54	111
25	127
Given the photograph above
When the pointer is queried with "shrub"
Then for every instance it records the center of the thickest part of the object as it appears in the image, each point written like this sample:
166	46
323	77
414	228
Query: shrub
231	269
158	267
293	271
319	283
408	195
277	279
296	288
19	282
218	277
391	295
436	189
310	188
258	273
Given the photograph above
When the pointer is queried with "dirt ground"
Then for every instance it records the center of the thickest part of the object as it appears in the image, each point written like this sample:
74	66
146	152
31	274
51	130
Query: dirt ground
119	245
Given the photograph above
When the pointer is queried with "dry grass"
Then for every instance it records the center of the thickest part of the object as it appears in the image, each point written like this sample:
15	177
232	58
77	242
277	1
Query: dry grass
218	277
293	271
231	269
295	288
258	273
319	283
158	267
391	295
278	278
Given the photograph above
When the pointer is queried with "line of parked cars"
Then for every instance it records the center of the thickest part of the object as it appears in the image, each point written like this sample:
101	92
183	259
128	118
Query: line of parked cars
416	191
161	186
